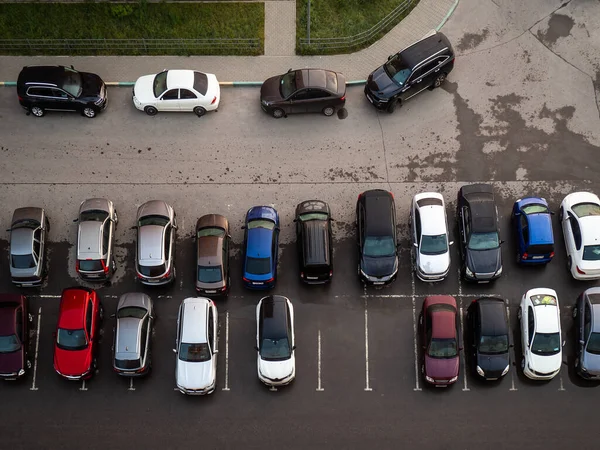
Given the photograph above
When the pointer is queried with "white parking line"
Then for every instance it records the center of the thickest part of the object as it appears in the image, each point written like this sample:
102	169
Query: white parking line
367	386
427	295
512	372
83	388
131	388
37	349
319	388
562	387
464	364
226	388
415	337
45	296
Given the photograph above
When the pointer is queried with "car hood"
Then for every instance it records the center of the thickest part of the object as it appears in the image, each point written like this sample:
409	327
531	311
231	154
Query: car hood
72	362
444	368
484	261
11	362
195	375
378	267
433	264
144	89
493	365
92	85
546	363
381	84
591	363
276	370
269	91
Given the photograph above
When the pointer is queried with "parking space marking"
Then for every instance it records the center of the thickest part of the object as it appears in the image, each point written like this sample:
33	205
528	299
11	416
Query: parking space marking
83	388
462	339
512	372
415	337
367	386
424	295
131	388
562	387
37	349
319	387
226	388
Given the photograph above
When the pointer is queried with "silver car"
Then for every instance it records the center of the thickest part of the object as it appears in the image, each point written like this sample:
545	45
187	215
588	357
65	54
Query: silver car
133	335
156	228
95	239
586	314
27	246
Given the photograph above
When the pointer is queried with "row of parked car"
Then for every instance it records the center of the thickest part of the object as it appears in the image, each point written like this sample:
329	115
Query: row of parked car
478	233
422	65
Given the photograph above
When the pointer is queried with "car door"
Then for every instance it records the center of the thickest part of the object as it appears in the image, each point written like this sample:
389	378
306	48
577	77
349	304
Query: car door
464	225
568	234
300	244
414	84
211	338
19	329
144	339
475	331
587	327
360	231
225	251
427	331
299	101
62	101
188	100
169	101
577	241
524	234
528	332
40	96
89	322
319	99
106	239
168	246
275	249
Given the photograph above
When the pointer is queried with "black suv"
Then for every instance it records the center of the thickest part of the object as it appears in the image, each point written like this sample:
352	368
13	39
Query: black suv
60	88
487	321
376	227
479	235
314	241
423	65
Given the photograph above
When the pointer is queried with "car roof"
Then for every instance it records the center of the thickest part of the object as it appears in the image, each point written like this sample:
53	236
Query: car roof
150	243
590	230
433	220
379	206
195	314
259	243
273	315
316	242
42	74
540	229
180	79
72	308
21	241
90	236
212	220
424	48
128	338
209	251
443	315
546	318
492	316
480	198
317	78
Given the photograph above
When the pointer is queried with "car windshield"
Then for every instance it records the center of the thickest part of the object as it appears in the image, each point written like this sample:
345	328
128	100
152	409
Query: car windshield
443	348
275	349
258	266
23	261
93	215
397	70
161	221
287	84
591	252
593	345
209	274
204	232
153	271
71	339
434	245
261	223
160	84
72	82
313	216
586	209
484	241
194	352
131	311
535	208
546	344
379	246
90	265
9	344
491	345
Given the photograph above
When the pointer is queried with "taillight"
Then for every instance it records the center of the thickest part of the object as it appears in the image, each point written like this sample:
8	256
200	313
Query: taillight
213	100
77	265
104	266
301	274
20	98
166	275
343	98
551	254
224	288
392	194
270	280
141	277
330	273
359	196
579	270
524	256
246	279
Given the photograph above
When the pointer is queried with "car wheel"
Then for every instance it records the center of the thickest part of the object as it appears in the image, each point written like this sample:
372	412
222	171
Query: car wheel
577	363
574	313
329	111
519	314
37	111
438	80
392	105
199	111
278	113
89	112
150	110
29	364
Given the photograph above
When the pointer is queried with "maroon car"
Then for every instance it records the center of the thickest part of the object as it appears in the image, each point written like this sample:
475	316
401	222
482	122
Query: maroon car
439	328
14	332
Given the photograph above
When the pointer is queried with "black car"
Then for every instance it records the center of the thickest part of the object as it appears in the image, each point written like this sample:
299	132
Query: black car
303	91
488	331
376	227
314	241
423	65
60	88
479	234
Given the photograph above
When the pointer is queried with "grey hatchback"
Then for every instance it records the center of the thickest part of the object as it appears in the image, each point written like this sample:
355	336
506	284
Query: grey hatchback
27	244
156	228
95	239
586	314
133	335
212	248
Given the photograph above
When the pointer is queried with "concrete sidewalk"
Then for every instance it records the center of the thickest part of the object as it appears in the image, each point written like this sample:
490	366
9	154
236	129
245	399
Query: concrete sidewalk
426	15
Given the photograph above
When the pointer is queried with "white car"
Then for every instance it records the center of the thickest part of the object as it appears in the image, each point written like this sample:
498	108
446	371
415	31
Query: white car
580	220
541	337
177	90
429	229
275	341
196	347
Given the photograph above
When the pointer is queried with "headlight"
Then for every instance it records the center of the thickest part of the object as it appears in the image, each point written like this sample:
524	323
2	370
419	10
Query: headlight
264	102
505	371
480	371
468	272
431	380
364	274
99	101
21	372
453	379
583	369
499	272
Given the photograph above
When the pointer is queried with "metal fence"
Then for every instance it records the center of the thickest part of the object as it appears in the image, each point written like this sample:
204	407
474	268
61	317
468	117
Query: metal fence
351	42
131	46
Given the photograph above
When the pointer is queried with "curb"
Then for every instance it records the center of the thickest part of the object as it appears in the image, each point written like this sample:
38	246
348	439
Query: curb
447	16
221	83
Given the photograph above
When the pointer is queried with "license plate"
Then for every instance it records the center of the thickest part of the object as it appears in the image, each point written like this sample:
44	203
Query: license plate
440	386
537	257
257	283
312	278
92	276
211	291
483	281
378	282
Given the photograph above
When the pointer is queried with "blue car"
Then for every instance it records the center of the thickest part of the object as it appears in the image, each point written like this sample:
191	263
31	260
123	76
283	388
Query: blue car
261	240
532	220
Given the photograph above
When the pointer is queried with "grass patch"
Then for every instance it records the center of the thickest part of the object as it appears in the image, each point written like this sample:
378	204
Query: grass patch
343	18
133	21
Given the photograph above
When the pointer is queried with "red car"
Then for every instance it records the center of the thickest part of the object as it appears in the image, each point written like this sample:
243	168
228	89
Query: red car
77	333
439	328
14	334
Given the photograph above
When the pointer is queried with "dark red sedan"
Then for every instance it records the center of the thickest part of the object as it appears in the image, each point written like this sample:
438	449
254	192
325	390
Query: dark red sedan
14	333
439	329
77	333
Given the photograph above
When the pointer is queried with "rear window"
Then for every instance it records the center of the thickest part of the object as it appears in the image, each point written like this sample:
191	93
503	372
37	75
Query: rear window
194	352
153	271
201	82
209	274
23	261
316	269
127	364
90	265
258	266
540	249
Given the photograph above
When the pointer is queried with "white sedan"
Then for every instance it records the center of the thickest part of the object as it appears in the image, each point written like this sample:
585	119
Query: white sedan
177	90
539	316
429	229
580	220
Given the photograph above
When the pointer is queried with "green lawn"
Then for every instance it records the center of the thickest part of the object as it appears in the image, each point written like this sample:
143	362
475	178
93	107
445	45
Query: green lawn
343	18
133	21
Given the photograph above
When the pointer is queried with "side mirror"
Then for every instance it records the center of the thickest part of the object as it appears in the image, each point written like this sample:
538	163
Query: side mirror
112	316
72	67
8	229
54	334
295	220
331	219
174	350
76	220
552	212
460	349
289	70
243	227
294	347
255	348
390	57
501	242
564	342
228	236
215	352
451	243
133	227
415	245
581	341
